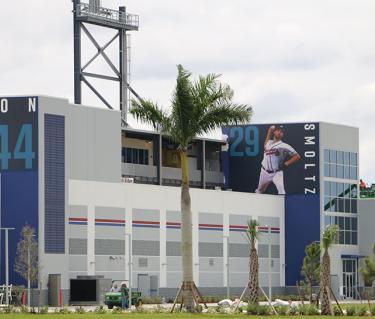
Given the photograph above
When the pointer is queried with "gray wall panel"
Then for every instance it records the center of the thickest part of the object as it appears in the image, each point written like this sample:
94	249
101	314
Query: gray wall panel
107	264
77	246
239	264
239	250
146	248
77	263
174	279
173	248
209	235
273	237
210	264
366	222
109	247
94	141
210	249
263	251
269	221
264	264
174	264
211	279
146	214
153	263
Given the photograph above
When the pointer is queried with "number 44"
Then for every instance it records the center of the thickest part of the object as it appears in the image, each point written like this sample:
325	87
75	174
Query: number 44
24	139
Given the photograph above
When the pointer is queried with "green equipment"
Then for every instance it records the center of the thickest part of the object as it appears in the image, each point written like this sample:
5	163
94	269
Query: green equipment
113	299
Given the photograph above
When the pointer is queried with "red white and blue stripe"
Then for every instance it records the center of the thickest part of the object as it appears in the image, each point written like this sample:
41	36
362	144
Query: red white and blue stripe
146	224
211	227
98	222
262	229
173	225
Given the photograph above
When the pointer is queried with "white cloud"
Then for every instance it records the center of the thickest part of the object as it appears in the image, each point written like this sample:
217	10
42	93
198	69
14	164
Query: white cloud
292	60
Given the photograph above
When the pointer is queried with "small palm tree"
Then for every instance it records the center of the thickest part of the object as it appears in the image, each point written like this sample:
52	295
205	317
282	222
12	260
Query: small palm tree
368	268
196	108
252	234
311	266
329	237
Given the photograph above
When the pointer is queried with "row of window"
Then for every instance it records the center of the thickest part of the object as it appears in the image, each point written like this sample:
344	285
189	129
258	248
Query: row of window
343	190
340	171
348	229
340	157
340	205
340	164
134	155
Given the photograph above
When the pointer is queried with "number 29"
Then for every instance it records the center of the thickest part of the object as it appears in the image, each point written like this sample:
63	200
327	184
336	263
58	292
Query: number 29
240	135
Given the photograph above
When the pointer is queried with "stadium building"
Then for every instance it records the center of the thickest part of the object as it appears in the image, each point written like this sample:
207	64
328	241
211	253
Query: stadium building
104	200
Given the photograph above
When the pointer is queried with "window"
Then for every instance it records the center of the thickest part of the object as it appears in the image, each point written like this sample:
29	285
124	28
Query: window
340	164
340	197
134	155
348	232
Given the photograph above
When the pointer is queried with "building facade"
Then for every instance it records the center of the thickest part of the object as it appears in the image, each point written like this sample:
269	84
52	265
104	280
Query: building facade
103	200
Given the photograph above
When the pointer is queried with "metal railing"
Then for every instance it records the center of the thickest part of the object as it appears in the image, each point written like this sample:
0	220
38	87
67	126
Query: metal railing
87	10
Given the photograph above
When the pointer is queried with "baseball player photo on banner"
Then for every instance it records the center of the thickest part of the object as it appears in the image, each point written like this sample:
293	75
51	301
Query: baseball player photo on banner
273	158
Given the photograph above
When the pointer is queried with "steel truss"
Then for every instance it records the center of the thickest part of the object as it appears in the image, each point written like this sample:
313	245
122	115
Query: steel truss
93	13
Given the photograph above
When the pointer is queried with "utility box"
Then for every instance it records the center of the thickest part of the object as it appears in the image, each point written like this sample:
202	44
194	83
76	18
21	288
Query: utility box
54	288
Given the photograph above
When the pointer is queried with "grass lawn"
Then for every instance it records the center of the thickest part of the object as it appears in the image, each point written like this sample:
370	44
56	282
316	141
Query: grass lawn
151	316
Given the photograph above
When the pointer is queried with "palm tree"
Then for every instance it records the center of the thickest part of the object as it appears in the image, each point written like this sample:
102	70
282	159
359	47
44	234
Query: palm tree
368	271
196	108
311	266
252	234
329	237
368	268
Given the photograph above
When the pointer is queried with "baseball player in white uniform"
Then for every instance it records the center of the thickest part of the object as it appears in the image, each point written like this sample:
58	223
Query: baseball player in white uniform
277	157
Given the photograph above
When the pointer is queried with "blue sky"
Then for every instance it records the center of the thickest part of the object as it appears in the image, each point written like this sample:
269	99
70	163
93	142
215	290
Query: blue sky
292	60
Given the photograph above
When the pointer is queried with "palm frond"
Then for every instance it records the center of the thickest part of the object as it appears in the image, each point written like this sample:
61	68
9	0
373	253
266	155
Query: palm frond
150	113
329	236
183	109
228	114
252	232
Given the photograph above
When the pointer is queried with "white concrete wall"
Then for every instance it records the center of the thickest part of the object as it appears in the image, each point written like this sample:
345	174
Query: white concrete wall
163	199
340	138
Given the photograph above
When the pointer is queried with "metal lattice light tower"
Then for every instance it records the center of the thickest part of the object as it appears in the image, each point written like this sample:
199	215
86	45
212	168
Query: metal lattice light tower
93	13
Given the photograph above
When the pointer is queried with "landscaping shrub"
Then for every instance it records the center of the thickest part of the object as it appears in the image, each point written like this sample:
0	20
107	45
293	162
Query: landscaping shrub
80	310
151	300
252	309
372	310
263	310
350	310
292	311
282	310
116	310
336	311
43	310
100	310
303	310
308	310
9	309
361	310
63	311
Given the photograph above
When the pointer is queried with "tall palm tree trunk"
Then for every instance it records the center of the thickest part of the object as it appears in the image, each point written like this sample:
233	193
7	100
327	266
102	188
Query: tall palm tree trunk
254	276
186	235
326	284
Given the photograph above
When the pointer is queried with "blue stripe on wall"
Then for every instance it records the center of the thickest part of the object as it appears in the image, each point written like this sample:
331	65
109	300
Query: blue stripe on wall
19	206
302	227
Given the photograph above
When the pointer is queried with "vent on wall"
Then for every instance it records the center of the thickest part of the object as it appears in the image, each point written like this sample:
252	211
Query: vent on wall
211	261
143	262
54	184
